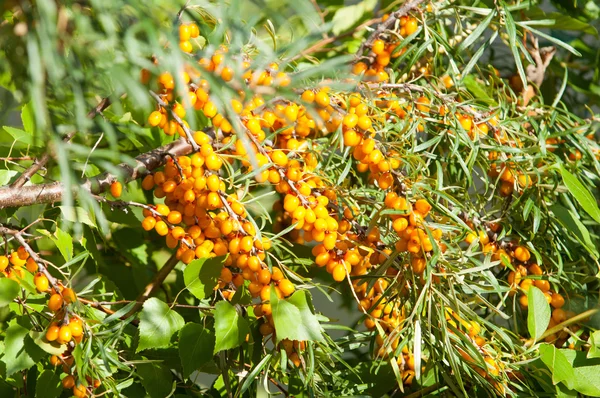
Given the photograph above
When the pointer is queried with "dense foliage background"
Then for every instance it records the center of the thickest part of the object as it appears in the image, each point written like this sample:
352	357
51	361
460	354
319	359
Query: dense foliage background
484	119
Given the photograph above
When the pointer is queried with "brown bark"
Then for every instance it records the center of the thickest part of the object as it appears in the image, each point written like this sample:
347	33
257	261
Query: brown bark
53	192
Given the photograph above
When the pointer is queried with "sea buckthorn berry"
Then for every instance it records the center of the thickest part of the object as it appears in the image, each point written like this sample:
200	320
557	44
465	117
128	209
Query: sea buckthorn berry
64	334
148	182
41	282
322	99
378	47
148	223
116	189
194	31
213	162
55	302
31	265
423	104
3	263
68	382
522	254
52	332
76	329
161	228
69	296
80	391
186	46
279	158
286	287
557	300
184	32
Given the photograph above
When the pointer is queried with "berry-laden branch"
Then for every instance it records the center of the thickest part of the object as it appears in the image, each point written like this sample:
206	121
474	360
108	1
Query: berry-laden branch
41	162
53	192
386	25
40	262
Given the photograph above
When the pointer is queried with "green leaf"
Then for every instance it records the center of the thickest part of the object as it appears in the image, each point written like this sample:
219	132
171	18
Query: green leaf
581	194
20	350
539	313
27	118
294	317
230	328
48	384
511	30
557	363
477	32
39	338
64	243
346	17
157	379
202	275
586	370
158	323
558	20
76	214
22	136
196	345
9	290
573	225
6	175
594	342
477	90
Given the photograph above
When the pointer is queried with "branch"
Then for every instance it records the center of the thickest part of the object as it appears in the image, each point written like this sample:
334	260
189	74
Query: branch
41	162
53	192
156	282
386	25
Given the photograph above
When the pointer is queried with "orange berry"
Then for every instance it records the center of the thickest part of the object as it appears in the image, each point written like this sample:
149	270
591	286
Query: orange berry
213	162
155	118
161	228
322	99
557	300
3	263
69	296
52	333
378	47
339	273
184	32
80	391
64	334
76	329
41	282
116	189
286	287
148	223
55	302
68	382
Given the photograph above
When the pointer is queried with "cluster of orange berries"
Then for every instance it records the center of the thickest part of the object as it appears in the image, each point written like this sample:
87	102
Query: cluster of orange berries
385	51
187	32
12	266
62	329
527	274
472	331
70	382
